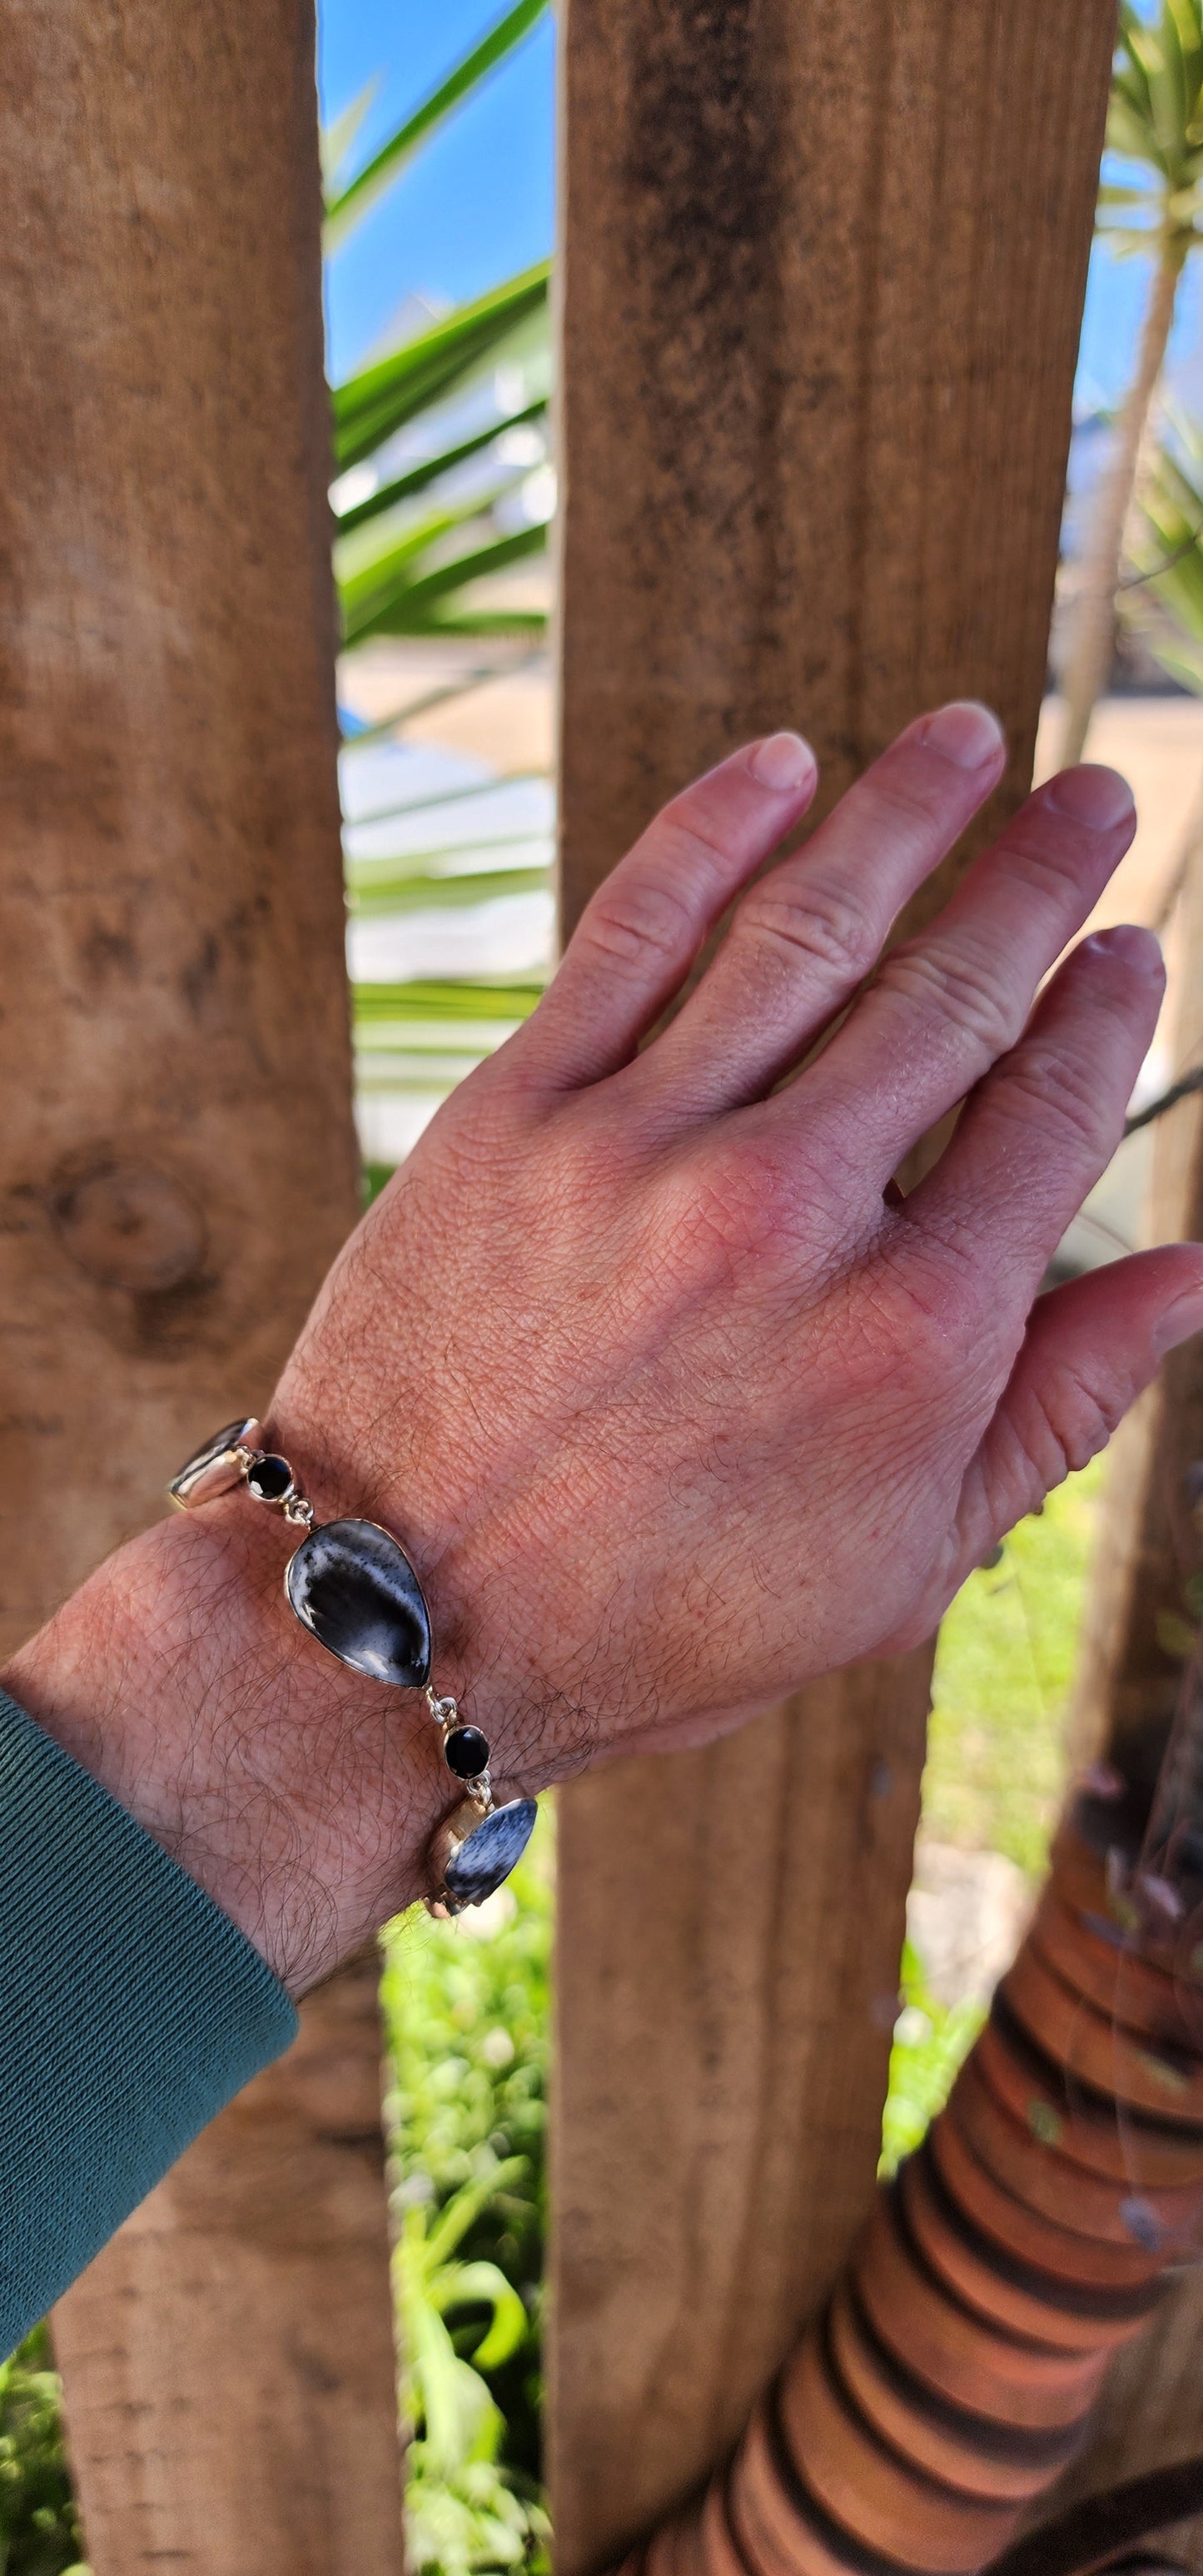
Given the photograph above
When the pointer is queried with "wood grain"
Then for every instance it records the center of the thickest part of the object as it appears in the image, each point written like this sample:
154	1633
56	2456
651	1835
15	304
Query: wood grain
177	1162
822	284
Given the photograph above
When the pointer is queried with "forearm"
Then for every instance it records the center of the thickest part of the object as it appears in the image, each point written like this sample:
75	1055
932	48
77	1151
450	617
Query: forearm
301	1799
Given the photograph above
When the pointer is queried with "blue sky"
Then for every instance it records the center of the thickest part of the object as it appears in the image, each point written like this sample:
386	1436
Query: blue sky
478	204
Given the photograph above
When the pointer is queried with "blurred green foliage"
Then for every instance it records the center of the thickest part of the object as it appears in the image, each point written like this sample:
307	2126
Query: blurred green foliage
930	2040
39	2535
996	1756
467	2017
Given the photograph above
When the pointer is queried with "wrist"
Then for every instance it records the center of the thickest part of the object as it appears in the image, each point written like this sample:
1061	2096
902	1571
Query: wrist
301	1797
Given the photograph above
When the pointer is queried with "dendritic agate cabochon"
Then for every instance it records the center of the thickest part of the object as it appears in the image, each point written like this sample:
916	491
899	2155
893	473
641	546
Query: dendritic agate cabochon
485	1860
355	1590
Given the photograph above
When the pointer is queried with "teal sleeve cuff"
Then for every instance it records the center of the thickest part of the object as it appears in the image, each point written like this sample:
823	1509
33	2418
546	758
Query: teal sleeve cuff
131	2009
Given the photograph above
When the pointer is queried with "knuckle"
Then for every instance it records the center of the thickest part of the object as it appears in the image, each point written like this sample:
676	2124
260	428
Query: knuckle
627	918
956	985
1035	853
925	1306
824	924
1049	1088
906	801
731	1205
683	834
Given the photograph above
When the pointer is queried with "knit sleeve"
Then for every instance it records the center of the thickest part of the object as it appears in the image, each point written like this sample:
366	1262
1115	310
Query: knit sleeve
131	2009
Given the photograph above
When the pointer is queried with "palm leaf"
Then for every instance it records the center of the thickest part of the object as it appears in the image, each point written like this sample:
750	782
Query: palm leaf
335	140
405	486
346	207
381	399
413	607
458	998
427	893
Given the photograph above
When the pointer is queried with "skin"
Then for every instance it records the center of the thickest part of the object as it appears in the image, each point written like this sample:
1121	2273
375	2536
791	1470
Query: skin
675	1402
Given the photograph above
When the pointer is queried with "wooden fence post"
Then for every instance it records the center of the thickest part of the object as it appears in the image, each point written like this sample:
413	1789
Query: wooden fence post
177	1162
823	276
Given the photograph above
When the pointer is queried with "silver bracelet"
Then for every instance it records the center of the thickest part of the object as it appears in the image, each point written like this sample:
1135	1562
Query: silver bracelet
351	1584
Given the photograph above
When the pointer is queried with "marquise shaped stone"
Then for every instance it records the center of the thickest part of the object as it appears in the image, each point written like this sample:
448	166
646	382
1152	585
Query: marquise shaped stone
484	1861
355	1590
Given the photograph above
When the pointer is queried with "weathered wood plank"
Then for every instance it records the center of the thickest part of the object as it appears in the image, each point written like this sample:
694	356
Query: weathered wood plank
228	2359
822	290
177	1162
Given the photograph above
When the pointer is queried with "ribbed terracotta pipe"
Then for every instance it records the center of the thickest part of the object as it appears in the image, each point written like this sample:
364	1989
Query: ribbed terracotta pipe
950	2377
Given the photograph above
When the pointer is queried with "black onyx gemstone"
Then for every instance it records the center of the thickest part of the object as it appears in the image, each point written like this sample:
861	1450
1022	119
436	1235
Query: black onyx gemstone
269	1479
481	1864
467	1752
356	1591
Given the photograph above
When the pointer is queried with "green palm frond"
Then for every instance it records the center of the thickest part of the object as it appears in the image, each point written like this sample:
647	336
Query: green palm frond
335	140
404	487
1165	603
373	405
442	498
1155	122
463	998
345	206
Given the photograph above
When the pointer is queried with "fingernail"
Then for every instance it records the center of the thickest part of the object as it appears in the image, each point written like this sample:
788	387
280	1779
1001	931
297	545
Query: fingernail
1137	948
966	733
1100	798
1179	1321
783	762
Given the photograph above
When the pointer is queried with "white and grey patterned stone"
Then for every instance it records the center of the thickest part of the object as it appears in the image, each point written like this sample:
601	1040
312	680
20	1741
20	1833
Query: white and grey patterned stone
481	1863
355	1590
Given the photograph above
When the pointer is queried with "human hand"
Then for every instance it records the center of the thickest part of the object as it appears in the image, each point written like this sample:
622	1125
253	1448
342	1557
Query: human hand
674	1407
674	1404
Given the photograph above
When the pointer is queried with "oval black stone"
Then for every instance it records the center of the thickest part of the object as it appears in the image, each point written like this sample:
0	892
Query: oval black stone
269	1479
354	1588
466	1752
485	1860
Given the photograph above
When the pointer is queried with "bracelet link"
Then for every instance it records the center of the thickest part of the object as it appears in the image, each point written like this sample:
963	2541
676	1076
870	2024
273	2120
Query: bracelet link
351	1584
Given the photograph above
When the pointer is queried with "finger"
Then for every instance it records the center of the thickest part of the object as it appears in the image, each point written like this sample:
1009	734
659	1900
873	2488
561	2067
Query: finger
1043	1126
1090	1348
638	937
947	1004
808	933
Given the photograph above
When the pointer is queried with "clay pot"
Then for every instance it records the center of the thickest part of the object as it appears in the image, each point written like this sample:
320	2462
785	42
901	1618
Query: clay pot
1043	2178
775	2531
1098	2051
673	2550
1093	1956
1078	2262
716	2553
870	2488
1079	1873
971	2453
976	2364
1011	2294
1141	2154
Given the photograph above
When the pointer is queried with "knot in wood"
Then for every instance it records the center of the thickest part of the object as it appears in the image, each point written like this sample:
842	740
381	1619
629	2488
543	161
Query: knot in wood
130	1226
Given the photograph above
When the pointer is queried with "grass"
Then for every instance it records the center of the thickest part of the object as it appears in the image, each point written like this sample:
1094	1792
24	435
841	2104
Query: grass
996	1769
995	1773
